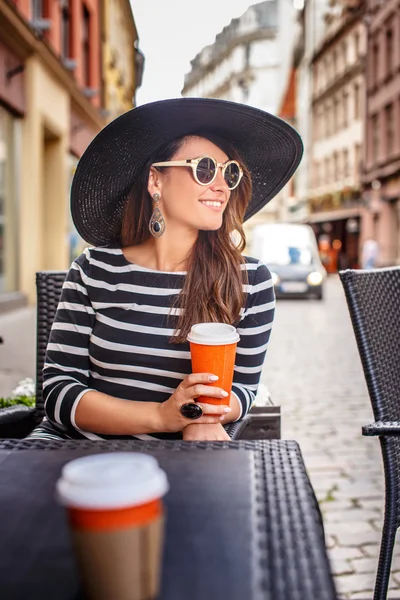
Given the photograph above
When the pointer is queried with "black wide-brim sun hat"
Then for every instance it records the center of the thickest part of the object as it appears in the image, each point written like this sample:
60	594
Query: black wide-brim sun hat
270	148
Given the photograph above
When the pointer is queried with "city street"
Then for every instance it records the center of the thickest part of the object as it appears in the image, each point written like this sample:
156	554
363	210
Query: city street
313	371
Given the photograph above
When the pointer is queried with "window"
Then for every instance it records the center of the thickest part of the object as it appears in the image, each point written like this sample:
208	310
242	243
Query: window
37	9
315	124
315	174
375	137
86	46
324	74
345	108
316	78
328	71
375	64
334	64
346	165
357	160
344	54
328	120
356	101
336	171
389	125
247	52
317	130
322	119
356	45
389	52
65	30
327	170
335	114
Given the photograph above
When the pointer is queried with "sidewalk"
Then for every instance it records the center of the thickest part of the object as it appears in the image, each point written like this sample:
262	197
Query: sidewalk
314	372
17	353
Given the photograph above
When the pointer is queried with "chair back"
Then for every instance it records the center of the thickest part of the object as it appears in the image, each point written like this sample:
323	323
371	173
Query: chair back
48	291
373	298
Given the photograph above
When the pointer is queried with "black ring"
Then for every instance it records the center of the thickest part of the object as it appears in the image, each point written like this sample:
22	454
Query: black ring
191	411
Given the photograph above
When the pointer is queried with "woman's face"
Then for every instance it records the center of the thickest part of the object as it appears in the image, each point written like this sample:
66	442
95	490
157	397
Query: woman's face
184	201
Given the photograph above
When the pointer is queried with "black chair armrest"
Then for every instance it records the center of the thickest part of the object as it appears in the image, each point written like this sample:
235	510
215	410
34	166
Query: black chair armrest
264	423
382	428
234	430
17	421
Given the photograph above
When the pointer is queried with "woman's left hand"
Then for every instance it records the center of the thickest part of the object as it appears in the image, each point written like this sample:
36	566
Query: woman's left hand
197	432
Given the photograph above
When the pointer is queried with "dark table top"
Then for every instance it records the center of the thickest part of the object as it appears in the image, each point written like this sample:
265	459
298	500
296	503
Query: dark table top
242	521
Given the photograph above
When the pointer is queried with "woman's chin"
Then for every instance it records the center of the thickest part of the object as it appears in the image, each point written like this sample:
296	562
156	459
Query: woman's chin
211	224
211	227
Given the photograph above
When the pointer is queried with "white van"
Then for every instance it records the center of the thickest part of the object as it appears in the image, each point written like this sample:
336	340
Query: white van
290	251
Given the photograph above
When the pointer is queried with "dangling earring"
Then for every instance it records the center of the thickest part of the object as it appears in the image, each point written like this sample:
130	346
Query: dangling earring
157	223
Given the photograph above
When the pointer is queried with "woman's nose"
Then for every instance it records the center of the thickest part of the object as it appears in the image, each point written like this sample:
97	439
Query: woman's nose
219	182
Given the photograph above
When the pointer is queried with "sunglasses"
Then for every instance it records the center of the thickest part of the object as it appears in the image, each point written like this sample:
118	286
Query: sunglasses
205	170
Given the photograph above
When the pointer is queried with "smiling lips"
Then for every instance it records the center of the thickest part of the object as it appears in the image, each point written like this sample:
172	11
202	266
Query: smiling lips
213	204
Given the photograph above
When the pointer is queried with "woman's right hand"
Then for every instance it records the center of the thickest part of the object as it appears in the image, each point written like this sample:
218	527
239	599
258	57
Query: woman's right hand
193	386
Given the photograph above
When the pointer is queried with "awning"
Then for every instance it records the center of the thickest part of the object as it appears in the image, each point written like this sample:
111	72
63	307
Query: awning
333	215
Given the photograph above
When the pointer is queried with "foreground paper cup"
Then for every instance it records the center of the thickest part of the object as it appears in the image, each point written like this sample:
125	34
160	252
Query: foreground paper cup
114	503
213	350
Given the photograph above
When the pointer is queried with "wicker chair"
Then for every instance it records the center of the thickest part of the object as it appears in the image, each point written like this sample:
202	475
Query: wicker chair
373	298
264	422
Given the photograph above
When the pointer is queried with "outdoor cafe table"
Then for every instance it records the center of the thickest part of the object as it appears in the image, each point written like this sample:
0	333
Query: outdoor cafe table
242	521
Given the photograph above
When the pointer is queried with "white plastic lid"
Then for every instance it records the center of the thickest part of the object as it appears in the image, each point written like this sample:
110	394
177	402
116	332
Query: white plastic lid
111	480
213	334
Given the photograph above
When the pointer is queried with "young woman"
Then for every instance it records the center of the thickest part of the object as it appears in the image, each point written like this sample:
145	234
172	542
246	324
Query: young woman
161	194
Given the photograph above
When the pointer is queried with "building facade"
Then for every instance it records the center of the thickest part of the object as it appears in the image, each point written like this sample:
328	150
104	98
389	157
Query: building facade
122	61
309	34
381	169
249	62
286	198
337	113
50	110
242	59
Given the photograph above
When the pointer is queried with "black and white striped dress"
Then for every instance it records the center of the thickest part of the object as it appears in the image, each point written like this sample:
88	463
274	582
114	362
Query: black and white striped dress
111	334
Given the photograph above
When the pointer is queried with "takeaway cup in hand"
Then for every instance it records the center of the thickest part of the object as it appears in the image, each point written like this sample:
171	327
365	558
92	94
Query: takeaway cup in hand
213	350
115	510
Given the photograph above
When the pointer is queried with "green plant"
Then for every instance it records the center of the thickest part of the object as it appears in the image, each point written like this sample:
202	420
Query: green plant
24	393
27	400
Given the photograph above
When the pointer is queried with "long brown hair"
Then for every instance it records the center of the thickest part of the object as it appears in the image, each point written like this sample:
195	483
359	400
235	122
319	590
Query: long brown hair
213	287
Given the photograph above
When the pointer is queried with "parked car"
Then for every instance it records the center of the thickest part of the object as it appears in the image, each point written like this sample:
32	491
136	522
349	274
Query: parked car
290	251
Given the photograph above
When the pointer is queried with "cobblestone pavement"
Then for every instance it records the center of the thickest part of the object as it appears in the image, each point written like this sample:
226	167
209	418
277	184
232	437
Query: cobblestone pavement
314	372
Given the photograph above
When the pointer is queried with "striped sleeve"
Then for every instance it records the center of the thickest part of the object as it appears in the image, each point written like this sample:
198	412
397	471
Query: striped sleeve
66	368
254	330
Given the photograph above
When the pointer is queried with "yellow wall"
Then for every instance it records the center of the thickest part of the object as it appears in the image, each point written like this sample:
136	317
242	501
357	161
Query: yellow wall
44	199
119	35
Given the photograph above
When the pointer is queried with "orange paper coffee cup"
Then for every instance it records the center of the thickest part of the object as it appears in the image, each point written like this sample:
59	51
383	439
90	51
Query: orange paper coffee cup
213	350
116	517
